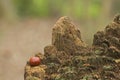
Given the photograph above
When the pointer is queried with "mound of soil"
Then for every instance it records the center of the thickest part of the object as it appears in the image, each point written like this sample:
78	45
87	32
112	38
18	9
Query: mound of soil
70	58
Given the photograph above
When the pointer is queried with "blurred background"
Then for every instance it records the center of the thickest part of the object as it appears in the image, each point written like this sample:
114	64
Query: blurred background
26	25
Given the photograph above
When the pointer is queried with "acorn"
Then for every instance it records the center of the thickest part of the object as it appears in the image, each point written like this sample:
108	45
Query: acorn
34	61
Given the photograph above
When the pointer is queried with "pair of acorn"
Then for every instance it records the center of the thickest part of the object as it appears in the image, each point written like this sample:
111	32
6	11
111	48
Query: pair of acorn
34	61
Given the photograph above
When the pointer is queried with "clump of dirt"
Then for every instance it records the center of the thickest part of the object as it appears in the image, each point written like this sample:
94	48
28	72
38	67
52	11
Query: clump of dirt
69	57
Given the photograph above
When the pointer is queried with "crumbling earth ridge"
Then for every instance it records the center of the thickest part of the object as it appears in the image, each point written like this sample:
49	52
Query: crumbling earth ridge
70	58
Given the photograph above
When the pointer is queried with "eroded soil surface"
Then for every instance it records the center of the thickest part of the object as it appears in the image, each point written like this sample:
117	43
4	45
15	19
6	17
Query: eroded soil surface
70	58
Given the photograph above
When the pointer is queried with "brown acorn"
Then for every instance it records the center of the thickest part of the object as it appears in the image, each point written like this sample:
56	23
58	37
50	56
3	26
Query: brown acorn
34	61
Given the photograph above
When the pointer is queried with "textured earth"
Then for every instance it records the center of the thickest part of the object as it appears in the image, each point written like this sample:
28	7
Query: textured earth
68	57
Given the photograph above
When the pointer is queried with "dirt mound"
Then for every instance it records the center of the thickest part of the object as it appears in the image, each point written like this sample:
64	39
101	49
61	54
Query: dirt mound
69	58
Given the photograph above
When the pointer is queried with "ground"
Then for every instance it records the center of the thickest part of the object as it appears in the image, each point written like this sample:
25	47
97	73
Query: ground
70	58
18	42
